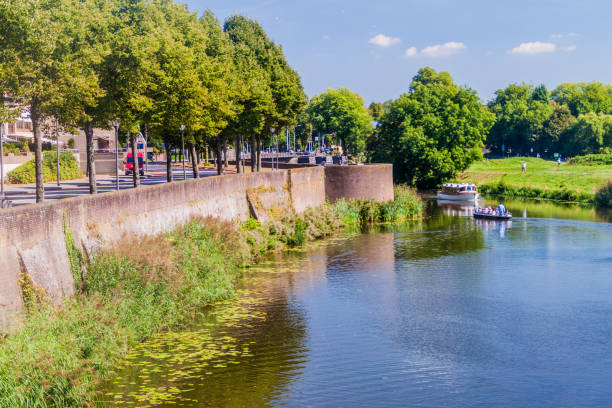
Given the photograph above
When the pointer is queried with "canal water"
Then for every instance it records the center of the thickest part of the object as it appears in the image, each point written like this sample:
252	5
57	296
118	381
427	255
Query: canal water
444	312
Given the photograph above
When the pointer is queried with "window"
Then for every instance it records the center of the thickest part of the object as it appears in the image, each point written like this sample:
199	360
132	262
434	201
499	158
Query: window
24	125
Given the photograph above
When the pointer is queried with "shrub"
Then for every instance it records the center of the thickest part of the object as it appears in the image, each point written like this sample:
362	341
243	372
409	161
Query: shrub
71	143
592	159
603	197
533	192
69	169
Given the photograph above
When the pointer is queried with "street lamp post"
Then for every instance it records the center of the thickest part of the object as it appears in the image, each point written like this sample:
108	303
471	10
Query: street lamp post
57	150
116	126
1	161
146	148
272	130
183	151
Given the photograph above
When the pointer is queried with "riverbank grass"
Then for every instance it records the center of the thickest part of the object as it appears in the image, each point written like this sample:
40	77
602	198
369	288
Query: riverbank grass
543	179
58	354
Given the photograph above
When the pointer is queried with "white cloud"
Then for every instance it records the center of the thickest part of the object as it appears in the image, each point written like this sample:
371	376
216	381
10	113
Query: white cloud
382	40
569	48
443	50
532	48
411	52
559	36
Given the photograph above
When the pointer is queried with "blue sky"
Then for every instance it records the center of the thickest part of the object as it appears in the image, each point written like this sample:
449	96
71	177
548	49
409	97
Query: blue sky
375	47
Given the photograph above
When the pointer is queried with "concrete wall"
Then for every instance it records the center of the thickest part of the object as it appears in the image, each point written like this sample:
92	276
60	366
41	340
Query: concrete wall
105	162
372	182
32	237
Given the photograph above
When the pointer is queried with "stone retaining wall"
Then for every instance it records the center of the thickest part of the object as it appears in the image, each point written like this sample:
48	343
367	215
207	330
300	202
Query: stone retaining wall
32	237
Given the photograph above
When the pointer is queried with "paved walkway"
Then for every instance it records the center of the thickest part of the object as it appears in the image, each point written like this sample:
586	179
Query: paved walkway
26	193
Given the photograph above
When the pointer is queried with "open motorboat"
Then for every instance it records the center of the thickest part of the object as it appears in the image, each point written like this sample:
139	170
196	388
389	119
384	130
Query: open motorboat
492	214
458	192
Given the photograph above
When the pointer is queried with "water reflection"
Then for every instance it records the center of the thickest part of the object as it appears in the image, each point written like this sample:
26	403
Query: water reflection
458	209
446	311
549	209
255	340
440	235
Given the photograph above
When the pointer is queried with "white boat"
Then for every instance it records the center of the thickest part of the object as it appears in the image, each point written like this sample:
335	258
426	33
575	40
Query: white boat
458	192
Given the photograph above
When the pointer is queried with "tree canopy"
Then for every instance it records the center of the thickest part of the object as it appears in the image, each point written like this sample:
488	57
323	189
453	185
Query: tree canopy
153	64
520	111
343	113
432	132
583	97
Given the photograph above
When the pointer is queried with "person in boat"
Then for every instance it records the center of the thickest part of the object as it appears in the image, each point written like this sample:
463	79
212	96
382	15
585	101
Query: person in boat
501	209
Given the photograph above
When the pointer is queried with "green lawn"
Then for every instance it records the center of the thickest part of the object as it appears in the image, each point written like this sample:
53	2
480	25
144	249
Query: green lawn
543	179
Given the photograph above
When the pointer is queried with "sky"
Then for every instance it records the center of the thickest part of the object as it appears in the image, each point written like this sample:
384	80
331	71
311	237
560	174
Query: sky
375	47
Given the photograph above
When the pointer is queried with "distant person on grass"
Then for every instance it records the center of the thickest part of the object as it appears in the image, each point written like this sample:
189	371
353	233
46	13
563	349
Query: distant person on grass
559	161
524	167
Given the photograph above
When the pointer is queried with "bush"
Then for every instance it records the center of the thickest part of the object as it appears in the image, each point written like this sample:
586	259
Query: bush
69	169
71	143
603	197
16	148
533	192
592	159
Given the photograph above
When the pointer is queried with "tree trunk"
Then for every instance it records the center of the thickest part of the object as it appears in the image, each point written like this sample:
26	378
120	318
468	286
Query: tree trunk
253	155
194	161
168	162
91	165
38	156
225	152
258	154
237	154
218	159
207	157
135	170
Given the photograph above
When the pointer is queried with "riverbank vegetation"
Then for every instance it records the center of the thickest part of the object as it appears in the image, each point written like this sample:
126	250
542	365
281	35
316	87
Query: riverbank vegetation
603	197
58	354
543	179
592	160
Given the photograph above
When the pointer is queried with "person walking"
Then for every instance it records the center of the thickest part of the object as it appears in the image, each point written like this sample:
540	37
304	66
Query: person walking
559	161
524	167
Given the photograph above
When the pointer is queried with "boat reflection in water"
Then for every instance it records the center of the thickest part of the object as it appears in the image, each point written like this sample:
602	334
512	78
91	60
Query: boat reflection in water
494	225
457	208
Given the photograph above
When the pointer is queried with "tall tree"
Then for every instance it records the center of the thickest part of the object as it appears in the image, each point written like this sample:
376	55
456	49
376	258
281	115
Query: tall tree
251	61
432	132
343	113
129	71
96	18
376	111
553	128
273	97
519	118
44	46
589	133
